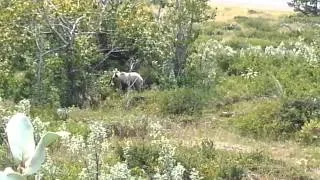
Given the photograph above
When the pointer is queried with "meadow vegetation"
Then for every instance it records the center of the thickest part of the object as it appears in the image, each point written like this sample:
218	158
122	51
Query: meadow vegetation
244	103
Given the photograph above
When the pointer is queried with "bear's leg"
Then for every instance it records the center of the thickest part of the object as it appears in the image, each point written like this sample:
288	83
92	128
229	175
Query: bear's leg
124	87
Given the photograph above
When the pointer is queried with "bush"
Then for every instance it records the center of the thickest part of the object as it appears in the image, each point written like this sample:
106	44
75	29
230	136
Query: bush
299	112
221	164
261	42
213	28
206	62
260	120
255	23
247	86
232	172
237	43
141	156
183	101
5	159
310	132
244	42
292	68
234	87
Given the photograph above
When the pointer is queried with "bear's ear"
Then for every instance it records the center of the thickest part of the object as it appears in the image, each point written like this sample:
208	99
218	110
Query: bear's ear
115	70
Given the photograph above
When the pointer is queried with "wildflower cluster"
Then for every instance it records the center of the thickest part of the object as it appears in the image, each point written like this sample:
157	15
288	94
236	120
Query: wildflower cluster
40	127
209	52
251	51
91	151
194	175
297	49
76	144
279	51
96	145
249	74
24	106
118	171
168	168
205	60
155	130
49	168
308	52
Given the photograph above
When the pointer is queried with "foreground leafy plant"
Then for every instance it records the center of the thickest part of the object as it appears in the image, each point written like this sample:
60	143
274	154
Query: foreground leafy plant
29	157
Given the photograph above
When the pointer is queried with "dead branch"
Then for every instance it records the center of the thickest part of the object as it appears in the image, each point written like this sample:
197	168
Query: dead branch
74	27
46	18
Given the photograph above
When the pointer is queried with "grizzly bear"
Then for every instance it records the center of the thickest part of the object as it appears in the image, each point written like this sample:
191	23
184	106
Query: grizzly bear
125	81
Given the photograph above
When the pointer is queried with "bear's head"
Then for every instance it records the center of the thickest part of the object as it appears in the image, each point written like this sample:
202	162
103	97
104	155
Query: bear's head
115	78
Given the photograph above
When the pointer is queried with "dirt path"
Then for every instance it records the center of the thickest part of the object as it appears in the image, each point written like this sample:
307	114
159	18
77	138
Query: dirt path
289	151
278	5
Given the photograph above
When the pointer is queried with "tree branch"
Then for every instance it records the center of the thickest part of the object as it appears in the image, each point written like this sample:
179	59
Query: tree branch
63	26
72	32
66	23
113	50
107	55
55	49
53	29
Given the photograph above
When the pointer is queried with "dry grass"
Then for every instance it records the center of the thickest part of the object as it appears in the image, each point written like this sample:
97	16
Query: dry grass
227	13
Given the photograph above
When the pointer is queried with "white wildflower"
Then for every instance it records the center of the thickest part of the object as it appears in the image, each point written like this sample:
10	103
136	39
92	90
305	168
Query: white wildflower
126	150
155	129
40	127
95	145
49	167
84	175
76	144
194	175
251	51
119	171
177	172
24	106
249	74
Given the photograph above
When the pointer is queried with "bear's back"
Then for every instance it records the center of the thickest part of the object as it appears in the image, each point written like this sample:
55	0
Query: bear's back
135	74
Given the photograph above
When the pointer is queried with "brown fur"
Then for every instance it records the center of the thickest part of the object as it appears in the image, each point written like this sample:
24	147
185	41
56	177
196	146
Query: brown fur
125	81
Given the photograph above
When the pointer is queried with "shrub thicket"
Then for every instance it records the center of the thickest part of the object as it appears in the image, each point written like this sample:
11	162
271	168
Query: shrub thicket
183	101
300	111
261	121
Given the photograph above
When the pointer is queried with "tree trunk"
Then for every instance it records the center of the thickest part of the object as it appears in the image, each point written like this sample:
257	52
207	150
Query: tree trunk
73	95
180	57
39	87
180	48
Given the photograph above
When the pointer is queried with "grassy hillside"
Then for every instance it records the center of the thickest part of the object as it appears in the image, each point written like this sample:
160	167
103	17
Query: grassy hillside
260	118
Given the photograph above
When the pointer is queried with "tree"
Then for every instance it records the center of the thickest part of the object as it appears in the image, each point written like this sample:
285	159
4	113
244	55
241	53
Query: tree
66	49
182	16
16	49
306	6
53	51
